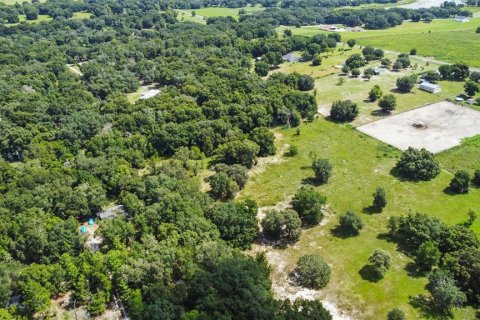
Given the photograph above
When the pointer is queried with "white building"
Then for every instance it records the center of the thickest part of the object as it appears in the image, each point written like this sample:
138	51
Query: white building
430	87
462	19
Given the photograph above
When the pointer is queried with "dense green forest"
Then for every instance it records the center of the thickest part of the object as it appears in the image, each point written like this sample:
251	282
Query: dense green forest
72	145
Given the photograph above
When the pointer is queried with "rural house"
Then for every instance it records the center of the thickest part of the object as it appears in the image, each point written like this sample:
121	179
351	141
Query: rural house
430	87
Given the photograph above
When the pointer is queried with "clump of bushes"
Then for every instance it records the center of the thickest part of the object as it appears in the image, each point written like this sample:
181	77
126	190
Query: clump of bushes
343	111
312	272
416	164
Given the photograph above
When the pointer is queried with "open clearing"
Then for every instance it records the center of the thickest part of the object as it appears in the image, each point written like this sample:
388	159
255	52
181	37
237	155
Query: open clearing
360	164
225	12
436	127
458	40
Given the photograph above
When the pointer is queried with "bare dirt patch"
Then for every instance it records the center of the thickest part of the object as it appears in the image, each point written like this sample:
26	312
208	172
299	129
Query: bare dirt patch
435	127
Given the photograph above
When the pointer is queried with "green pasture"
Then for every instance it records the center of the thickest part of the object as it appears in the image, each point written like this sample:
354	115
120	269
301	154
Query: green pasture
328	88
224	12
43	17
361	164
444	39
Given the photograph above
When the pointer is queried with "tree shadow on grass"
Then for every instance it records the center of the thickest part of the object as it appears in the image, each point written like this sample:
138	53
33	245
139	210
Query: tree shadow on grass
424	304
369	273
414	271
311	181
371	210
340	232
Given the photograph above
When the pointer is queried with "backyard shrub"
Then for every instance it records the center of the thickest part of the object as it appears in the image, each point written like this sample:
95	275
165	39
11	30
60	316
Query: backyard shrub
308	203
388	103
322	169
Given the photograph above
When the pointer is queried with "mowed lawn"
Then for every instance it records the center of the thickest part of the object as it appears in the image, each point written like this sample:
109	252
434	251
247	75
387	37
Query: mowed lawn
444	39
361	164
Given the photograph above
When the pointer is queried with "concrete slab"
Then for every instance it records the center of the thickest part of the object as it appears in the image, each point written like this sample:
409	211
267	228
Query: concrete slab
435	127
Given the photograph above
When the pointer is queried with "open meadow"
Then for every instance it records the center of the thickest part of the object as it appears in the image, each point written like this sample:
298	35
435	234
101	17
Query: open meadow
224	12
360	164
444	39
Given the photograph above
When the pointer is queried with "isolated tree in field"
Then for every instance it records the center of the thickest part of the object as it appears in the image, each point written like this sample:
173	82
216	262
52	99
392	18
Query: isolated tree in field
375	93
368	73
350	223
397	65
292	150
379	199
431	76
282	225
386	62
355	72
312	272
471	88
445	294
288	33
472	216
396	314
351	43
317	60
413	51
460	182
388	103
355	61
478	30
476	178
417	164
308	203
322	169
343	110
380	261
265	139
405	84
262	68
345	69
427	256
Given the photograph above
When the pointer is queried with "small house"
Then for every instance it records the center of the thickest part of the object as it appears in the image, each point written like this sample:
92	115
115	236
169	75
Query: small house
462	19
378	70
430	87
149	94
291	57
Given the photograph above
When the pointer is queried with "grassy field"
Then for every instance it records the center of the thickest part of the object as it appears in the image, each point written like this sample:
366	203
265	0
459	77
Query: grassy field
42	18
327	86
224	12
360	165
458	40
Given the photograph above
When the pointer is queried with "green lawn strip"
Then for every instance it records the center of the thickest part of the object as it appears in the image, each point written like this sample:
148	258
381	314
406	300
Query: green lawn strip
361	164
224	12
458	40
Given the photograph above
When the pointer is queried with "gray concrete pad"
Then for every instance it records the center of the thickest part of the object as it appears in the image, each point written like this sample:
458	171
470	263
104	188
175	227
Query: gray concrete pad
435	127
